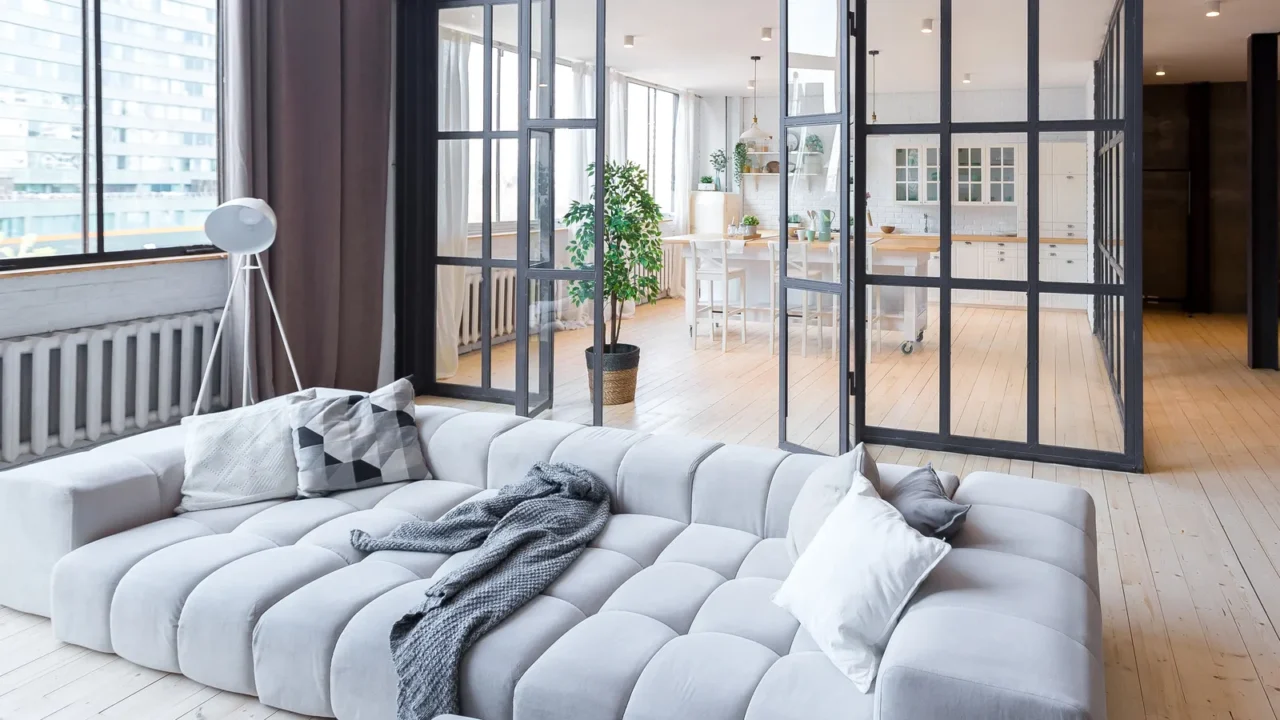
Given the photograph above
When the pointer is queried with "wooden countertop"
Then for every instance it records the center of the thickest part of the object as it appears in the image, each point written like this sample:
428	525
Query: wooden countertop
903	242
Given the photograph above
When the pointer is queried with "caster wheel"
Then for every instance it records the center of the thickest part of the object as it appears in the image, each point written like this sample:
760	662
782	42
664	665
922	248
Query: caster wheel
920	336
908	347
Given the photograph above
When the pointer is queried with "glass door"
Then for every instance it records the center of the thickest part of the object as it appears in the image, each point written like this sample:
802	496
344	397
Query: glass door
559	256
814	267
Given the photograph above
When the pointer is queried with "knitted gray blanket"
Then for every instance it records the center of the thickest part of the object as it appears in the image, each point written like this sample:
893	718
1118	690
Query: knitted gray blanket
527	535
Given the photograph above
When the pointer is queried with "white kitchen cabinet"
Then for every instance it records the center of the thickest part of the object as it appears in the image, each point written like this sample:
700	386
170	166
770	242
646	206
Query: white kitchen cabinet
1069	158
966	262
915	175
987	174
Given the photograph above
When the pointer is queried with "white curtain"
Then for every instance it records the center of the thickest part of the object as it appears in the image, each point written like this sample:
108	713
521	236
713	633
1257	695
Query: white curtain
451	197
616	120
686	146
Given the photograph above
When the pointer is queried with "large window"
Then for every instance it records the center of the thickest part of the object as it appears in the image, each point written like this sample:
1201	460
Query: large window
134	172
651	139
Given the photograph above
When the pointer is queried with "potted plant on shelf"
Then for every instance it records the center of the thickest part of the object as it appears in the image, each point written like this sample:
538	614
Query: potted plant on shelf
813	154
741	162
707	183
632	260
750	227
718	163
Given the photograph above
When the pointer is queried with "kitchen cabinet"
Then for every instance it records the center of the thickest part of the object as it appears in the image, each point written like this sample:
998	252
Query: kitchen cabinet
915	175
987	175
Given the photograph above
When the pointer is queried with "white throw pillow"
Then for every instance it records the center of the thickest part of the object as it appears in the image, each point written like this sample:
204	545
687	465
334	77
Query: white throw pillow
823	491
854	580
240	456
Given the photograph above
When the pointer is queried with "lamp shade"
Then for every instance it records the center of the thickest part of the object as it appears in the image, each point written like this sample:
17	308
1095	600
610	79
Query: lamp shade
243	225
754	134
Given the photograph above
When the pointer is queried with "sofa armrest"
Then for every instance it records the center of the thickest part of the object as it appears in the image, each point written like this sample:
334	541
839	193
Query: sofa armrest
49	508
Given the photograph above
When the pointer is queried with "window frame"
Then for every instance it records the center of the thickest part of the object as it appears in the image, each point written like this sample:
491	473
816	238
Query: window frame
93	232
651	159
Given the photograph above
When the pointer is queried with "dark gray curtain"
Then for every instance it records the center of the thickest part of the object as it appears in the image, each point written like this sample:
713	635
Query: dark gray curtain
314	108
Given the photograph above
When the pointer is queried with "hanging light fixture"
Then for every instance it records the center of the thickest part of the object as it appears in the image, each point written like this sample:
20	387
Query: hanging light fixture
873	54
1213	8
926	27
754	134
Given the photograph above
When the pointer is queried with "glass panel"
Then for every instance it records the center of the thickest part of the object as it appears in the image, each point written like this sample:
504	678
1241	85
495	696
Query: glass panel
458	325
1077	404
503	358
902	184
896	40
542	327
1066	207
162	180
989	60
41	131
902	358
566	40
989	368
461	73
506	197
813	372
813	44
562	189
458	231
506	67
813	203
988	220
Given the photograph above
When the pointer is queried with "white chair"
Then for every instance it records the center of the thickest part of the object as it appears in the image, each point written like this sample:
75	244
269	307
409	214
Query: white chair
711	265
807	313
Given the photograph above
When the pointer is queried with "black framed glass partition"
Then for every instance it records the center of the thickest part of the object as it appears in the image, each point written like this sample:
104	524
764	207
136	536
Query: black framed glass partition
996	322
973	238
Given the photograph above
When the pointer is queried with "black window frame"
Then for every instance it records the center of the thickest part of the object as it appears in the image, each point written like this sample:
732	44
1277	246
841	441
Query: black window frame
92	156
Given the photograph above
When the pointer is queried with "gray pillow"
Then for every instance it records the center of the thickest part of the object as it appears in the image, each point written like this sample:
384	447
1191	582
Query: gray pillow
357	441
925	506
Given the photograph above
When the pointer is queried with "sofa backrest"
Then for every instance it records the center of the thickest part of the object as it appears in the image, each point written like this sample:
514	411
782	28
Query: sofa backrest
685	479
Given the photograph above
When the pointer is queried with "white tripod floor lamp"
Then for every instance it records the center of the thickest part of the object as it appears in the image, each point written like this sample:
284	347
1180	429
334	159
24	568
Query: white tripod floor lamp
244	228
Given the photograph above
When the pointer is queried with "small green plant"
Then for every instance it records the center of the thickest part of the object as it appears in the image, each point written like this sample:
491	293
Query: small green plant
706	180
813	143
632	241
739	161
751	221
718	161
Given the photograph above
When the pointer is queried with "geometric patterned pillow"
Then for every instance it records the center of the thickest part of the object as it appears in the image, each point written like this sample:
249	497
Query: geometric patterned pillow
357	441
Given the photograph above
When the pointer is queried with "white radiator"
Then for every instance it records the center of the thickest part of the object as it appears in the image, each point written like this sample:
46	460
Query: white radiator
503	299
670	281
97	383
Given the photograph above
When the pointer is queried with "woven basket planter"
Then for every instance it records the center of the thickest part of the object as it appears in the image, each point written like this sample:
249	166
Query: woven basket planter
620	371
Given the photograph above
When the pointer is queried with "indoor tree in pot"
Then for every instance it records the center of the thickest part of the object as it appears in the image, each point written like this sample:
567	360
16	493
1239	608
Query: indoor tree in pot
632	259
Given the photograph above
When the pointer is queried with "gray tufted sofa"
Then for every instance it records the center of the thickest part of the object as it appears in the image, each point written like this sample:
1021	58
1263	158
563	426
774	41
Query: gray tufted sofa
667	616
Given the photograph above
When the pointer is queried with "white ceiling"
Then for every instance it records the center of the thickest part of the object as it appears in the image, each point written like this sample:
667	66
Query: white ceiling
705	45
1194	48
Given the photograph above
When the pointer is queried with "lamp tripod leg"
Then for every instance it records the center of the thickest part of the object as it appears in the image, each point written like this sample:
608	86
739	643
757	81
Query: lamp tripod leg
217	337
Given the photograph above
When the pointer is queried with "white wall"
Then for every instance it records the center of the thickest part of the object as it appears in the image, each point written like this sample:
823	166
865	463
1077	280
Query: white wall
45	303
761	198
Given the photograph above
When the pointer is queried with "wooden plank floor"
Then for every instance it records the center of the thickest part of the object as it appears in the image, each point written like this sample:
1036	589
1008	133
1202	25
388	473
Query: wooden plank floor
1189	553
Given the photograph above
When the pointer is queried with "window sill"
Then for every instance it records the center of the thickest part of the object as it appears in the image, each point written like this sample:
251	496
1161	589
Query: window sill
112	265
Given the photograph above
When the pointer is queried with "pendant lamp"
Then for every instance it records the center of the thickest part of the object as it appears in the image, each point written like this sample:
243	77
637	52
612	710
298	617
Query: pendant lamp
754	134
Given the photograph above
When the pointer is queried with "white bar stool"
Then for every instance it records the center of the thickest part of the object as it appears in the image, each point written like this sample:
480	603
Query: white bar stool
711	265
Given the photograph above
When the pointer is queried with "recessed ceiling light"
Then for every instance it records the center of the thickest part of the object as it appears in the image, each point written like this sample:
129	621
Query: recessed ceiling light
1159	71
926	26
968	78
628	41
751	84
766	34
1213	8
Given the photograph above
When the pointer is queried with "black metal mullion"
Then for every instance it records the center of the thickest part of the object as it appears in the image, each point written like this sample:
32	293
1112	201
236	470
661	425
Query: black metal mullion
1033	222
858	253
1132	350
97	112
1012	450
601	113
784	93
945	164
85	125
842	298
523	216
486	208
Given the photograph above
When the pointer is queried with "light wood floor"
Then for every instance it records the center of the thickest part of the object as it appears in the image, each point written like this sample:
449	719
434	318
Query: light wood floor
1189	553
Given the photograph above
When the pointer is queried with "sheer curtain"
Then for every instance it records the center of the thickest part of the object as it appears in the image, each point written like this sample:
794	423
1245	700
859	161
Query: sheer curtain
452	184
686	144
616	120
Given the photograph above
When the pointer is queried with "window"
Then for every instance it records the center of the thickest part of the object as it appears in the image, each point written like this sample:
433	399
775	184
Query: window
651	139
159	111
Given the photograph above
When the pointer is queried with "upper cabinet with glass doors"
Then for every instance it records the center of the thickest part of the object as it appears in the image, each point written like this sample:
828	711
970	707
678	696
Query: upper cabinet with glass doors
986	175
915	175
